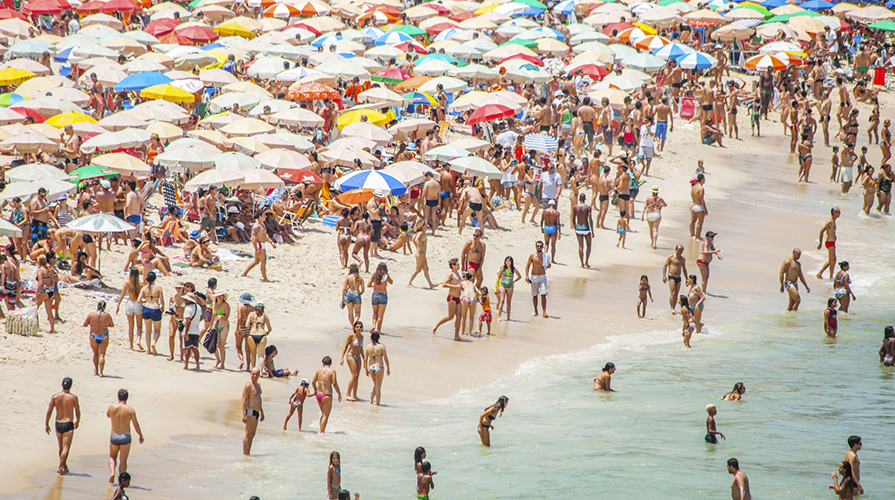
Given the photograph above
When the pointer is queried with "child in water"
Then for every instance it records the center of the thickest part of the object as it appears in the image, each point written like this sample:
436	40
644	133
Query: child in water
831	324
485	317
687	318
622	228
834	161
644	292
296	402
710	429
424	481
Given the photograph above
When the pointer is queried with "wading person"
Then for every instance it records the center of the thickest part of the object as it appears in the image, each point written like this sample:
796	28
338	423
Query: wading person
790	275
252	412
122	417
486	419
323	383
68	417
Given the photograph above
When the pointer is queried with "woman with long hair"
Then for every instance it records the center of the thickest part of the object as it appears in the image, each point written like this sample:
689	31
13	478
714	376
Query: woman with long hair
885	145
379	284
736	394
869	184
334	476
99	322
259	329
848	487
132	309
696	299
528	192
376	361
687	318
507	276
420	241
352	291
873	128
46	288
884	195
220	319
343	238
354	349
486	419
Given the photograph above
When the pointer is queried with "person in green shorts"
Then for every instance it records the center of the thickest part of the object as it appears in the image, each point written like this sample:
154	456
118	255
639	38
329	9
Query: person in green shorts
424	481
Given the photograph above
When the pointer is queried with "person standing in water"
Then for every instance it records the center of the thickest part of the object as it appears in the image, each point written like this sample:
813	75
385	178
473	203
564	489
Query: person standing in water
252	412
68	418
887	351
790	275
711	429
848	487
739	487
672	272
644	291
424	481
705	257
828	241
297	401
842	287
322	384
736	394
831	324
354	349
122	417
376	361
486	419
851	457
603	380
334	476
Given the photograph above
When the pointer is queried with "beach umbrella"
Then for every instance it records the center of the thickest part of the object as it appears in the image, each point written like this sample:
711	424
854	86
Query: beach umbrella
122	163
248	145
367	130
196	145
30	48
100	223
450	84
200	34
540	142
763	61
354	116
733	32
371	179
644	62
297	117
11	99
615	96
35	172
475	166
489	112
393	38
887	25
312	92
672	51
295	74
632	34
235	162
214	178
256	179
121	121
109	141
184	158
445	153
651	43
816	5
391	75
275	105
779	47
69	118
283	159
299	176
355	197
697	60
11	76
91	172
167	92
141	81
28	65
247	127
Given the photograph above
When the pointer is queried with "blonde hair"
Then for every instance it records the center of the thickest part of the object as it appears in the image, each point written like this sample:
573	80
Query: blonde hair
709	407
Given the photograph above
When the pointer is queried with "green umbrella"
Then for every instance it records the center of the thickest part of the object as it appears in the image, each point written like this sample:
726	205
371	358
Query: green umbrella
409	29
529	44
886	25
91	172
758	8
11	99
782	18
533	3
440	57
194	4
665	3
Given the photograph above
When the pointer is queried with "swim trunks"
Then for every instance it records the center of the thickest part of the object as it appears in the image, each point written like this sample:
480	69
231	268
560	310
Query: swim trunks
120	439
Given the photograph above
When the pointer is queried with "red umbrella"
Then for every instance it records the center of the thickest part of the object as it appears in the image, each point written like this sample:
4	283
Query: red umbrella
198	34
92	7
532	59
593	71
161	26
297	175
38	118
304	26
617	26
414	45
462	16
10	14
443	26
121	6
437	7
394	74
313	92
47	7
171	37
489	112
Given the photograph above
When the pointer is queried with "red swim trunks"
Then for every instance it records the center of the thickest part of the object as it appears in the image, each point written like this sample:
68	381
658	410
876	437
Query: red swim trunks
485	317
830	244
455	299
472	265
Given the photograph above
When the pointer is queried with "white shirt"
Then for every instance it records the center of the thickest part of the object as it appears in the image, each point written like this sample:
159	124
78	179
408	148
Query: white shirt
194	313
73	26
647	136
507	138
550	185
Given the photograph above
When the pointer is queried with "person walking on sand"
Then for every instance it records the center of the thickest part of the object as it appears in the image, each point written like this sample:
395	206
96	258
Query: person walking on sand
421	242
851	456
536	276
260	242
152	298
122	417
473	256
698	208
252	412
672	272
507	277
790	275
652	212
379	282
711	430
323	383
604	379
133	309
192	324
706	253
583	221
376	361
431	195
354	352
99	322
352	293
486	419
551	227
68	418
739	487
827	238
452	283
297	401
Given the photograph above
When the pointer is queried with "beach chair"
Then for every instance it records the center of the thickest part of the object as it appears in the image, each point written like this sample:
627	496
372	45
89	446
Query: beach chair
267	202
297	219
149	189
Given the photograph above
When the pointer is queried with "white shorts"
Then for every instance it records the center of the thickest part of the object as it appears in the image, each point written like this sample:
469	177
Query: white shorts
646	153
846	174
133	308
538	284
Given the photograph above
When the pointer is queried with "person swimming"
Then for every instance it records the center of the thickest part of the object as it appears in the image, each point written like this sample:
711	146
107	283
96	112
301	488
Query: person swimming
736	394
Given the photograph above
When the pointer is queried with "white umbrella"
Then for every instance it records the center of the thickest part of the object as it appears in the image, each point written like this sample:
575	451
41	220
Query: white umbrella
216	178
297	116
367	131
473	165
257	178
35	172
184	158
9	229
100	223
409	172
283	159
235	161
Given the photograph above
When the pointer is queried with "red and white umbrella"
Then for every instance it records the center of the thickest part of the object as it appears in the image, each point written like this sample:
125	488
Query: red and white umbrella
632	34
281	11
489	112
762	62
652	43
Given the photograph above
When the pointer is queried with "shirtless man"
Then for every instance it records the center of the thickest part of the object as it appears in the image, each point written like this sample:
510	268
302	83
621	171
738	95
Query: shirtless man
71	148
824	109
698	209
246	307
473	199
208	218
544	114
452	283
851	456
374	209
664	122
583	222
606	124
40	217
766	87
260	241
739	487
252	412
675	267
105	204
790	275
323	383
623	188
431	196
68	418
551	227
829	241
133	208
536	276
446	181
674	77
473	256
604	184
122	417
587	114
862	63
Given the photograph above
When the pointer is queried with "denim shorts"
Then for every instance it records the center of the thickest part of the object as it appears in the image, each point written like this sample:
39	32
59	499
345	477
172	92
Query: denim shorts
380	299
352	298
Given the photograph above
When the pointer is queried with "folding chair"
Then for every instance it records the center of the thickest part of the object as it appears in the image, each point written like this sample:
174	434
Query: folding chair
297	219
274	197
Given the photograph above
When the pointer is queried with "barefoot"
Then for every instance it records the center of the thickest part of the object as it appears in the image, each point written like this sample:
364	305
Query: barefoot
154	351
241	364
545	315
112	479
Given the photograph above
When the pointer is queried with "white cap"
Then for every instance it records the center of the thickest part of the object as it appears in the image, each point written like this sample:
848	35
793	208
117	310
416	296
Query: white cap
551	202
105	184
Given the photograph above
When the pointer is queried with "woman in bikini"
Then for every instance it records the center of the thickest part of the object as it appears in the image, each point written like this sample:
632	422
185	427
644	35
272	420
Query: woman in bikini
343	238
885	145
873	129
133	309
887	351
851	128
256	340
220	319
706	253
354	349
696	299
46	288
148	259
653	214
603	382
687	318
736	394
831	322
469	300
153	299
82	271
363	231
869	184
176	306
528	192
486	419
379	283
507	276
246	306
99	322
842	287
352	291
420	241
884	195
376	362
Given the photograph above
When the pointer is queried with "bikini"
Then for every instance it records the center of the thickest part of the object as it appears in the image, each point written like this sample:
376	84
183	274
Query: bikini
375	369
356	344
258	338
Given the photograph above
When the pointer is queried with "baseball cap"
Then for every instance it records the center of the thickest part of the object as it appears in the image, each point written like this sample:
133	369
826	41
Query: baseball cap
105	184
551	202
710	234
232	210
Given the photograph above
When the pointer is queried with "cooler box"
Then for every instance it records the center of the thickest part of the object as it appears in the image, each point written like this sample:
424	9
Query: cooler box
688	108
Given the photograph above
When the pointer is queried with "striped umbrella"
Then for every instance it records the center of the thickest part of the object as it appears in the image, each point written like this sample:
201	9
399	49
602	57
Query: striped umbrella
762	62
393	38
326	40
540	142
371	179
672	51
651	43
697	60
282	11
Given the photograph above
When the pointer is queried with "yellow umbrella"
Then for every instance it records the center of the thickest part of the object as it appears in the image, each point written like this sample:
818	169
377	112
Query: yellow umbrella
69	118
649	30
167	92
486	9
374	117
11	76
233	29
841	8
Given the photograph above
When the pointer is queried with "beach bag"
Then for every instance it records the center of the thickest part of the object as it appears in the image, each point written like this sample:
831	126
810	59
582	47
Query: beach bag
688	108
210	342
613	200
22	321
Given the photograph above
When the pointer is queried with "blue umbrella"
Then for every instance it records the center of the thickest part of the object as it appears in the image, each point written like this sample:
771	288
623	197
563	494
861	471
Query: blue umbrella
328	39
816	5
393	38
566	7
672	51
773	4
549	33
747	22
540	142
697	60
373	31
211	46
62	56
371	179
533	12
439	57
141	80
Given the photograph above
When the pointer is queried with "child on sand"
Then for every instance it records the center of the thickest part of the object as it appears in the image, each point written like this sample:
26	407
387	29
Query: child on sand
485	317
831	324
710	429
297	401
424	481
124	480
687	318
469	298
644	292
622	228
834	161
269	353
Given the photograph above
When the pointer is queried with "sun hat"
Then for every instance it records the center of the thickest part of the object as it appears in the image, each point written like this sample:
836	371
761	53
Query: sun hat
655	189
246	299
190	297
380	193
232	210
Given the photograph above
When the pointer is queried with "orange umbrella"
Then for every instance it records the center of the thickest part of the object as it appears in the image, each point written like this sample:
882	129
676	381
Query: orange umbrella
413	83
356	197
762	62
313	92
